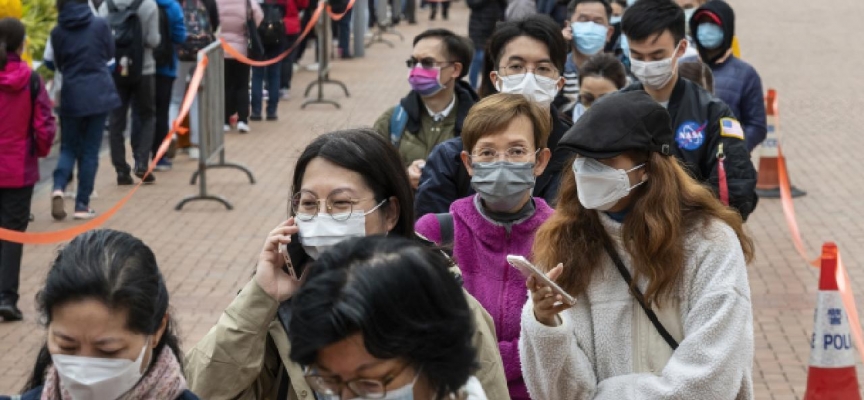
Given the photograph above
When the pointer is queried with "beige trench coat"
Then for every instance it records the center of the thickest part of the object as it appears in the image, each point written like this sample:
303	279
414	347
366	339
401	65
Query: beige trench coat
241	357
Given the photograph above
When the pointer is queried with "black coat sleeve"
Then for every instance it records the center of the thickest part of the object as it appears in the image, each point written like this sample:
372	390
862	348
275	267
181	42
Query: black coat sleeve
439	179
740	173
213	10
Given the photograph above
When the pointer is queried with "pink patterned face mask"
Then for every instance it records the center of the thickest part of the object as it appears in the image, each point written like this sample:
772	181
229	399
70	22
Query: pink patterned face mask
426	82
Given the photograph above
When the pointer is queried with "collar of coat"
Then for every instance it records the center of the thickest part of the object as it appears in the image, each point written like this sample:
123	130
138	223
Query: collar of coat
414	107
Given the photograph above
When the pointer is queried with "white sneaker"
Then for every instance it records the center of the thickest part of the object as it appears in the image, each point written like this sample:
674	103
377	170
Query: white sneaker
243	127
284	94
312	67
194	153
226	128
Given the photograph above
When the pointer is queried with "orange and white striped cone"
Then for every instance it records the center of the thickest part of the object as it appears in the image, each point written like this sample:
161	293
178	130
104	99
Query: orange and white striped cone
768	178
831	375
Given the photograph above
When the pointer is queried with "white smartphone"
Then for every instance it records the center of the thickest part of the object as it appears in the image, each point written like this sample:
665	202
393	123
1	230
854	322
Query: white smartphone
527	269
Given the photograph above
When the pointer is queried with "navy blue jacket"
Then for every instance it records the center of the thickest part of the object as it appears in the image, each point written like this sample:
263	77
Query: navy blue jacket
36	394
83	45
739	86
444	178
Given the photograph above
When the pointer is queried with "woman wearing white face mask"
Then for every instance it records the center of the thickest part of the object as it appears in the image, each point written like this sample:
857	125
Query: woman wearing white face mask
109	332
657	266
356	342
346	184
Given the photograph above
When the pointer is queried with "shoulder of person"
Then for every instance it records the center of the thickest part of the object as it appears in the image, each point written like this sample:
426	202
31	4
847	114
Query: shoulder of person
187	395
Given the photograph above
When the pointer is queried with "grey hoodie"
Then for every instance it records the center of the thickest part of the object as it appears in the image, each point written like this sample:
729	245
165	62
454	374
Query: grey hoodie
148	13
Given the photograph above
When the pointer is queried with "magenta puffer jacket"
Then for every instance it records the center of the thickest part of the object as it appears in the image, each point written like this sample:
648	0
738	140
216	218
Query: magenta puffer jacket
18	151
481	247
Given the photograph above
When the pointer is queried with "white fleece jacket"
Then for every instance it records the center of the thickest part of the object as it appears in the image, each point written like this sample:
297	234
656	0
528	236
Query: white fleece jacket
605	347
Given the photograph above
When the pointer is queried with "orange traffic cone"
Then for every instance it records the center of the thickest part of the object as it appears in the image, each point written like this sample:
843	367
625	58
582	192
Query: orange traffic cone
832	359
768	181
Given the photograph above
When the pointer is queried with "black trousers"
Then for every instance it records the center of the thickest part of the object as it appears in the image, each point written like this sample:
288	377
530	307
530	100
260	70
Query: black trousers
287	64
164	86
236	90
140	96
14	215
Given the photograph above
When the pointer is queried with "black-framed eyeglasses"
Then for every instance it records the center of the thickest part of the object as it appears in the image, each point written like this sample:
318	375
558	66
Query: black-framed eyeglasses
546	70
338	205
362	387
426	62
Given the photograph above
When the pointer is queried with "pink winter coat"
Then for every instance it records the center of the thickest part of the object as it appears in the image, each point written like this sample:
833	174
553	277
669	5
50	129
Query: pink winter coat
232	19
18	152
481	247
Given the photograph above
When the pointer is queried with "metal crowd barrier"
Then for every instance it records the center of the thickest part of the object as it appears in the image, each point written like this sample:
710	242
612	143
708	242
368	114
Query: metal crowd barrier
324	39
211	114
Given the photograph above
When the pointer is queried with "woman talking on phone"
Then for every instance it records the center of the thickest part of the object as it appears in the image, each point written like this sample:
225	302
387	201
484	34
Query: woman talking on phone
346	184
657	266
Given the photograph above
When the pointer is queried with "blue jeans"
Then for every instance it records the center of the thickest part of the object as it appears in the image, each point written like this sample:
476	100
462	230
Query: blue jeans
272	73
344	27
476	69
79	142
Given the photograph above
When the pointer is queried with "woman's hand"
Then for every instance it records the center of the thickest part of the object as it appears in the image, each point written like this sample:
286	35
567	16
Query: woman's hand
414	172
269	274
547	304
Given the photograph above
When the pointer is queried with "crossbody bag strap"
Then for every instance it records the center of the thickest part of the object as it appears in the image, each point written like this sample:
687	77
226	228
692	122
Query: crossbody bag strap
652	316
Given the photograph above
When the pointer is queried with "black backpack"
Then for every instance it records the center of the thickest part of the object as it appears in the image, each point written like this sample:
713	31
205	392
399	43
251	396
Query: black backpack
199	31
164	53
272	27
128	41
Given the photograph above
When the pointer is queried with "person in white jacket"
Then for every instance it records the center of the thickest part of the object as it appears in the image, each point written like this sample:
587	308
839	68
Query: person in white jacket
627	197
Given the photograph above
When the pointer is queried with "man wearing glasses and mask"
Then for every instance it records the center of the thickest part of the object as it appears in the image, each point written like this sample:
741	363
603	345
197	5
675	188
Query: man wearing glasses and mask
438	102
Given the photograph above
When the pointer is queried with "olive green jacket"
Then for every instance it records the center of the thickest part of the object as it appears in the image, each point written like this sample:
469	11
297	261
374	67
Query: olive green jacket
418	145
242	356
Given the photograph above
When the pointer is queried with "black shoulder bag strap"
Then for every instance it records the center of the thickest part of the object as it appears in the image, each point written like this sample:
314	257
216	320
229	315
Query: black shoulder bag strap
445	225
35	87
613	253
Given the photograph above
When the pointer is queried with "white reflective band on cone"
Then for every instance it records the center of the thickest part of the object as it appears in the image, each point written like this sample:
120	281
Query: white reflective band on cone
831	344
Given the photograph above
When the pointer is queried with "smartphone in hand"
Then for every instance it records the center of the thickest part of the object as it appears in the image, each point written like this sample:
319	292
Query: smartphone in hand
527	269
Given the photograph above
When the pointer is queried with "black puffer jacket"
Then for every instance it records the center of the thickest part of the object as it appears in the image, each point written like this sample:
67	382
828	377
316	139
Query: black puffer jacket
485	14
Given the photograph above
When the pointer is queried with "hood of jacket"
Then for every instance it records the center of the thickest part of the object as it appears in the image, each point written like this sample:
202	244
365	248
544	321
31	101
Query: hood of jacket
722	14
465	99
16	76
75	15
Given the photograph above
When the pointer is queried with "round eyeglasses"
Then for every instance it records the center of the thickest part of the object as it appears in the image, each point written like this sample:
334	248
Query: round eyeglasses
361	387
340	206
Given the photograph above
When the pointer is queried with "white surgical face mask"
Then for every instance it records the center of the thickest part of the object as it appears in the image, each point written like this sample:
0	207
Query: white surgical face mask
539	89
600	186
98	378
319	234
654	74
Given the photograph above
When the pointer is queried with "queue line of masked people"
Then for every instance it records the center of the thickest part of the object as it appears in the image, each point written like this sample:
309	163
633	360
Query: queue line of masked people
328	315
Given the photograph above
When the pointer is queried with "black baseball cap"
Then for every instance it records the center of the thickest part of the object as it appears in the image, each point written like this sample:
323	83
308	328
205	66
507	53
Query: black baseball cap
620	122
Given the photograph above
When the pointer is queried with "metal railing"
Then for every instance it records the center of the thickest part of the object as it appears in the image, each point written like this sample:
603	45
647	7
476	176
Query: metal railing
324	37
211	114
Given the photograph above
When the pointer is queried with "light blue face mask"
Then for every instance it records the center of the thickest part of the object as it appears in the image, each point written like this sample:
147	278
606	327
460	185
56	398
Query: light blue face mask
630	2
709	35
589	37
615	20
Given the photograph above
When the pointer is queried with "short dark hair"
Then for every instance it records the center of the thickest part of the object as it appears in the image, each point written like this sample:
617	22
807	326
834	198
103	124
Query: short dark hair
12	34
604	65
116	269
367	153
622	3
539	27
571	8
458	48
648	18
698	73
397	293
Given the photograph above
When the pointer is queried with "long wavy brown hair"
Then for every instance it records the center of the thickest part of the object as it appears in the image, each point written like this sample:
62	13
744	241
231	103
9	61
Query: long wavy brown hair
664	210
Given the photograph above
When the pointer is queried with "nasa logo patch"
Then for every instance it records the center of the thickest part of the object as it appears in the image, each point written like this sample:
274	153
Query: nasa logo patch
690	135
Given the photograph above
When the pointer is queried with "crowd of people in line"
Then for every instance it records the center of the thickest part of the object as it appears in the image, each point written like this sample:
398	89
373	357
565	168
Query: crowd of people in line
588	139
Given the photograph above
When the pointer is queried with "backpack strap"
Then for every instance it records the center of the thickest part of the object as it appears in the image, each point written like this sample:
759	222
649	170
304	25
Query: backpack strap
398	122
35	85
652	316
445	225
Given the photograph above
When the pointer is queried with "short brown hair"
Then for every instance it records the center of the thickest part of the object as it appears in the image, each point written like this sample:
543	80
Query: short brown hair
493	113
698	73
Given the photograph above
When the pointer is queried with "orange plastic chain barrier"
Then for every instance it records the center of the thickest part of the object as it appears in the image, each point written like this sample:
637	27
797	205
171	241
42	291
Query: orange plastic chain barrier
308	29
844	285
70	233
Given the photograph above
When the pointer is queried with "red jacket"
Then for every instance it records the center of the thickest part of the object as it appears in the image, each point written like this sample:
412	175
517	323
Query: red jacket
18	160
292	14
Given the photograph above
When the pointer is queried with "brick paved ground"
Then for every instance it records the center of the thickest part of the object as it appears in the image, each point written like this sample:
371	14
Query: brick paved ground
207	253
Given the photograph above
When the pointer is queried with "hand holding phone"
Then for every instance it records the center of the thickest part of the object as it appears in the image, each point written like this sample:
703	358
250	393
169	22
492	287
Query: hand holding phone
274	272
549	299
